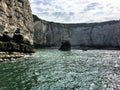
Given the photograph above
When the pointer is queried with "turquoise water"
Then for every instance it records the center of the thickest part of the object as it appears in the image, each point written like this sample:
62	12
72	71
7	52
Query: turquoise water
57	70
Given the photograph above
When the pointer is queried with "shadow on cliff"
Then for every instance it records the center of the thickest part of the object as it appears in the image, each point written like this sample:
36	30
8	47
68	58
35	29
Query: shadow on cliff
15	43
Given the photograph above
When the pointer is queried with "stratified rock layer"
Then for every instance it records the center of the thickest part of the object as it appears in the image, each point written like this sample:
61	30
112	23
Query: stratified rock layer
16	26
96	35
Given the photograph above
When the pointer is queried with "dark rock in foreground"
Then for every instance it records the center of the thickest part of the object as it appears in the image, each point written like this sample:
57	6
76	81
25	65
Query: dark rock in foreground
17	43
65	46
14	47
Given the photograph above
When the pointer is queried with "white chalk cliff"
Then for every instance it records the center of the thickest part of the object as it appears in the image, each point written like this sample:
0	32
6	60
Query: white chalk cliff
104	34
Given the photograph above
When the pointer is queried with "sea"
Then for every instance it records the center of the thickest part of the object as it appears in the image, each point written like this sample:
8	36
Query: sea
51	69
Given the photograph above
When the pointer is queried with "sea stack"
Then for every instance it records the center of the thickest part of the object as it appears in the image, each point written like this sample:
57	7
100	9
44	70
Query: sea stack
16	26
66	46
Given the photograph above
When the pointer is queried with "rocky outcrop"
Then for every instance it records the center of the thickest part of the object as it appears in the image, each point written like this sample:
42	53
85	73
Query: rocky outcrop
93	35
66	46
16	26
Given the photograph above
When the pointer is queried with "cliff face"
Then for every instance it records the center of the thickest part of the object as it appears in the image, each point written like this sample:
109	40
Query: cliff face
105	34
16	25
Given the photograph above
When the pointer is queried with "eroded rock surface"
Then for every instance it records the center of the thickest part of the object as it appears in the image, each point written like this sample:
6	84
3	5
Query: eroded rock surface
95	35
16	26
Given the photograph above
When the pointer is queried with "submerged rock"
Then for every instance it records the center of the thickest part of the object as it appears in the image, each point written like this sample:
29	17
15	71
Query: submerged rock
66	46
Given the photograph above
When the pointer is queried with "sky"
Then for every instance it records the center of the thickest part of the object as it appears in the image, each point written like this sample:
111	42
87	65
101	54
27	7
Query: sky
76	11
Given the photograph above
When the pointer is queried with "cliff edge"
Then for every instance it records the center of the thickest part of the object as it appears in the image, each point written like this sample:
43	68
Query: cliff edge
103	35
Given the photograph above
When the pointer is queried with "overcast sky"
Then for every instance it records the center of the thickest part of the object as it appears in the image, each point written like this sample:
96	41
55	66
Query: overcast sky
76	11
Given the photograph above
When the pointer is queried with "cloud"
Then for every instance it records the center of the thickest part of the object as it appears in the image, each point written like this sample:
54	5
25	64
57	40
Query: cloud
91	6
76	11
